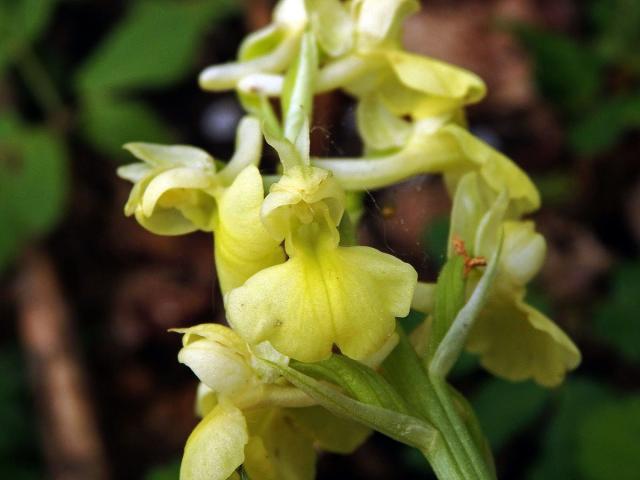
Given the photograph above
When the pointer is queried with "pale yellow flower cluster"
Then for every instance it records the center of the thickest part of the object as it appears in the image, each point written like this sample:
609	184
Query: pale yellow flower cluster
291	289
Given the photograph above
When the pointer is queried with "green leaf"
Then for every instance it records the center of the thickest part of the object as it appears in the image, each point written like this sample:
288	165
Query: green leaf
616	320
608	440
154	46
506	408
435	239
556	188
404	371
358	380
618	34
403	428
170	471
21	22
568	73
603	126
108	123
574	402
33	184
450	297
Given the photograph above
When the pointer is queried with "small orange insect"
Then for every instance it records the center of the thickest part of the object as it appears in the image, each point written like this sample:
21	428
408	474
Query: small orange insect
469	262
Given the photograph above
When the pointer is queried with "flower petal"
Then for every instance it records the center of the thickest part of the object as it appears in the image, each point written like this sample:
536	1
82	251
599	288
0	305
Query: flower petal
248	149
349	296
379	21
158	155
332	26
517	342
278	450
424	86
218	357
134	172
496	169
524	251
380	129
329	432
173	201
269	50
242	244
215	448
296	194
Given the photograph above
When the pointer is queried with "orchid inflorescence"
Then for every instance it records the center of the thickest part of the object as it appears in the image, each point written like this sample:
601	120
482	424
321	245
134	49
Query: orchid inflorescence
295	287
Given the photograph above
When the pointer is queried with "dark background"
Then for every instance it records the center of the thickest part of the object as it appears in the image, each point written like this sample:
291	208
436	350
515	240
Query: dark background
89	381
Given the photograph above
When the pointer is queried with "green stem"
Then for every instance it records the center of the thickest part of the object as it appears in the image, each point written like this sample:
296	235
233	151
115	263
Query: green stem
457	457
460	430
38	81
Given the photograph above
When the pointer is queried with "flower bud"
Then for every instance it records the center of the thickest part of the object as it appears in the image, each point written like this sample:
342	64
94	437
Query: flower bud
218	357
301	196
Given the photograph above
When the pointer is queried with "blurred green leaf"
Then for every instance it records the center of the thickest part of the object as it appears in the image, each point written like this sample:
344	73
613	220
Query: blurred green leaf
538	298
415	461
33	183
21	22
618	37
603	126
108	123
609	441
574	402
505	408
616	320
153	46
170	471
411	321
556	187
19	441
435	237
568	73
466	364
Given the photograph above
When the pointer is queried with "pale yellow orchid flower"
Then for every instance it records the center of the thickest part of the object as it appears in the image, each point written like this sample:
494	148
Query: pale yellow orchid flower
513	339
324	294
362	54
177	189
436	145
268	50
246	419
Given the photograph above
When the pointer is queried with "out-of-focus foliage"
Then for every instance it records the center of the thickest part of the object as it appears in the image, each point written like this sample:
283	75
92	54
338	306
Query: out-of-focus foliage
576	74
33	183
572	405
21	22
108	122
153	47
18	454
506	408
608	440
170	471
616	320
